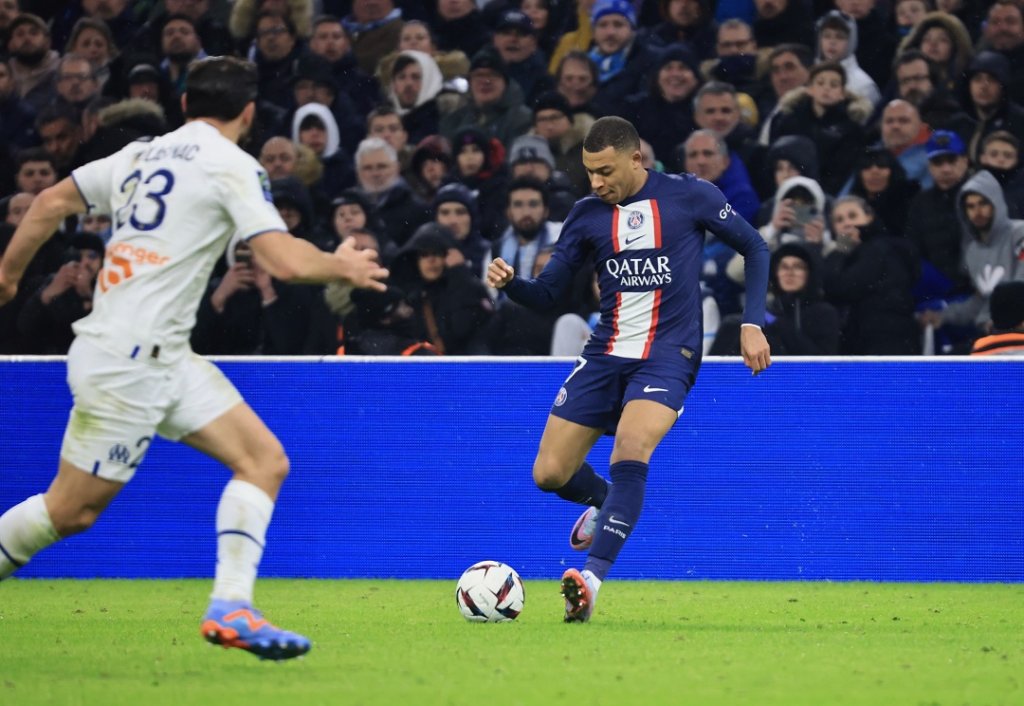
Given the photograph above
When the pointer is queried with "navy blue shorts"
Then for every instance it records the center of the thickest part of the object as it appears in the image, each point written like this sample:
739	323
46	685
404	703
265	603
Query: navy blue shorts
600	386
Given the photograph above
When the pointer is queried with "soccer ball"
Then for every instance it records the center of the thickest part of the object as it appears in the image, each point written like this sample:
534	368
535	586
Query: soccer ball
490	592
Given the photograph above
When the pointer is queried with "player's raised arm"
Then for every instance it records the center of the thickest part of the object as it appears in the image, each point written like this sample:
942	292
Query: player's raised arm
292	259
44	216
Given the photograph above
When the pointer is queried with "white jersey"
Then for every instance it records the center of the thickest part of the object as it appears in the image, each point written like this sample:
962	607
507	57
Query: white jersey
175	202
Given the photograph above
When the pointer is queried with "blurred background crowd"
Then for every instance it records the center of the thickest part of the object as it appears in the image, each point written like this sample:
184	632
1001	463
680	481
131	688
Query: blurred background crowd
876	145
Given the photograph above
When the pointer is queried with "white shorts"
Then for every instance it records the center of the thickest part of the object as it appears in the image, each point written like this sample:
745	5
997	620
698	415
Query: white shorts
121	403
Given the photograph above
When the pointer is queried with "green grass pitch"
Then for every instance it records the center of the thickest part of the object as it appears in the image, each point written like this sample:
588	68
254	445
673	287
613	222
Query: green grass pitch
404	642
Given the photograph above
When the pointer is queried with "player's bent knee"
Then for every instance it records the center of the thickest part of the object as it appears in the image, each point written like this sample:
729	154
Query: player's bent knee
549	476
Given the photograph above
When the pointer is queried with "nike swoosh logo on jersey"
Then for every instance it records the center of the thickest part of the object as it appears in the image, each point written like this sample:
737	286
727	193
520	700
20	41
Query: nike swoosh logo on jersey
630	241
648	388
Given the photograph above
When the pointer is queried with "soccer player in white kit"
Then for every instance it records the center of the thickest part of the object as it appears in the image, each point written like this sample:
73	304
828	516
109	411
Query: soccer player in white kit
176	202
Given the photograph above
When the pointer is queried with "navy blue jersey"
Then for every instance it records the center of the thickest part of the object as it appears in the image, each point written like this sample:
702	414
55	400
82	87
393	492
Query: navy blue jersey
648	253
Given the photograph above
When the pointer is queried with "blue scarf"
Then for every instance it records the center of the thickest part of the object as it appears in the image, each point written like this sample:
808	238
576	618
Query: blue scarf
608	66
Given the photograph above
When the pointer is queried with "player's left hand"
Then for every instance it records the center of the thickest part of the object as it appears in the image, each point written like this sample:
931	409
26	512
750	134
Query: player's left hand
8	290
756	353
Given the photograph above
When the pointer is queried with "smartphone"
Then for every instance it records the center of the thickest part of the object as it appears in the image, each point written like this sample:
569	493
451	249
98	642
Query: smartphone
244	257
804	214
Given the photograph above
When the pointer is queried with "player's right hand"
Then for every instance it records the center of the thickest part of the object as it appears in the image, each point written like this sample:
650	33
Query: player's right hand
361	267
499	273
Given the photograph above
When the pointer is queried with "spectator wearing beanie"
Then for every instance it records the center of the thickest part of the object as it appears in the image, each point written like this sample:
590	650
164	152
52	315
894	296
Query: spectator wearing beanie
623	63
495	103
515	39
455	208
987	101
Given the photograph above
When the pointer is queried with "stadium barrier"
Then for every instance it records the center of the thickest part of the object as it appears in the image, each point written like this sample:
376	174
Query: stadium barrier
826	469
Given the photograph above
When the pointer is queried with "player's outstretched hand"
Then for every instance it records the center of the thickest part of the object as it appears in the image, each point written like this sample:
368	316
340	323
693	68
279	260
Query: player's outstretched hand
499	273
756	354
361	267
7	290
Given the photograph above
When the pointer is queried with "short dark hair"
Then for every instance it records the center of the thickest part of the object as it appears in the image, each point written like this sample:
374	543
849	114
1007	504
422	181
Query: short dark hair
34	154
329	20
401	63
583	58
54	112
220	87
612	131
380	111
833	66
527	182
800	51
912	55
289	25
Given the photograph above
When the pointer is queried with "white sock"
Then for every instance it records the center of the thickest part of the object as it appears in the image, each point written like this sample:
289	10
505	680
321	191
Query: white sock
594	581
242	518
25	529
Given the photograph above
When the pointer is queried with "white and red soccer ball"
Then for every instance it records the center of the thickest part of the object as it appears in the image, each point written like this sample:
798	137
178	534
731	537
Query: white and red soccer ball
490	592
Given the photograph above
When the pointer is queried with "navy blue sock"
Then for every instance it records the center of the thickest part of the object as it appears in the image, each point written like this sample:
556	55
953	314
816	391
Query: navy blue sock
585	487
619	515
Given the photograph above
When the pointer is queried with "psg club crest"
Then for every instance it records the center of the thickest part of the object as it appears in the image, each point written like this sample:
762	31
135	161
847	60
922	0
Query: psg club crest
562	396
635	219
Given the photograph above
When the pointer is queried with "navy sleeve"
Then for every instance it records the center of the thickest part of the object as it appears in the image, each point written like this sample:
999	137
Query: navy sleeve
715	214
544	291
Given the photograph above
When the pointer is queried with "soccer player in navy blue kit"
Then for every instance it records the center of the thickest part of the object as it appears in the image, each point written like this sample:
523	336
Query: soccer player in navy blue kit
646	232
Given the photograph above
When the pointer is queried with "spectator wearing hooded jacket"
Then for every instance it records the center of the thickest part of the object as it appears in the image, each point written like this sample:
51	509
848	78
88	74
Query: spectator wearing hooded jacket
875	54
495	102
987	101
992	249
663	112
415	83
789	156
623	61
870	275
313	125
480	166
879	179
832	117
278	48
429	166
687	22
945	41
314	82
455	208
798	321
837	41
451	306
798	215
1004	33
418	36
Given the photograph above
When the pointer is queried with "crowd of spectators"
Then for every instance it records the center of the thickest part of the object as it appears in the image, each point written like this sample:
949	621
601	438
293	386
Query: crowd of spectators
875	144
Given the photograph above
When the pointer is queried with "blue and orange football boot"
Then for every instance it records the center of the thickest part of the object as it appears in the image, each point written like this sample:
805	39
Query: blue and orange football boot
238	624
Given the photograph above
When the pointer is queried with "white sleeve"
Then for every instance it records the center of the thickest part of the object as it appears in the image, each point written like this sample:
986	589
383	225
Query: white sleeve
247	199
95	183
